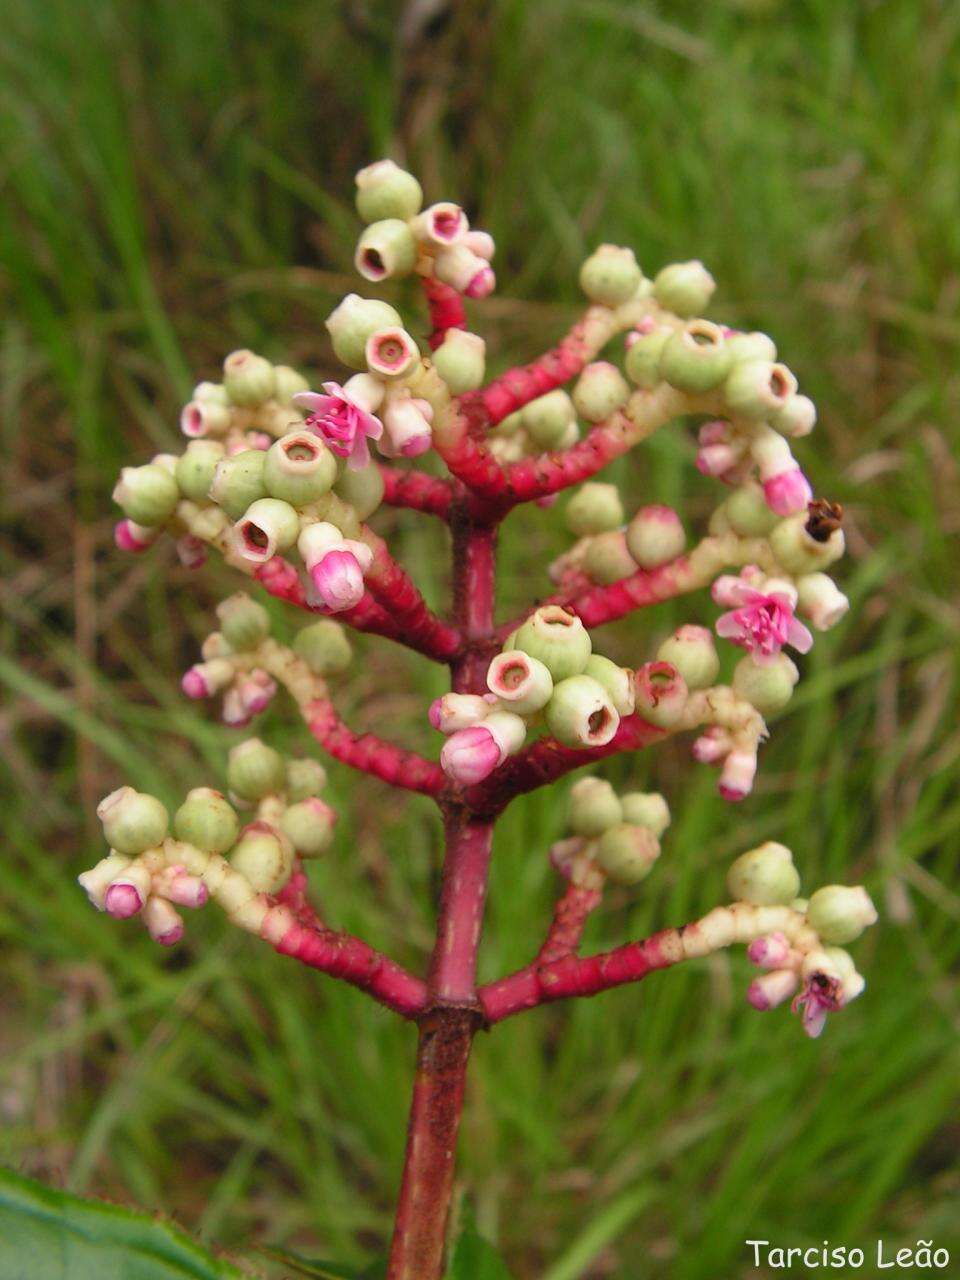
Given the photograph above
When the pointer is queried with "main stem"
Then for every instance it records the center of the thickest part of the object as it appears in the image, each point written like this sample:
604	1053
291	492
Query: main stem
453	1012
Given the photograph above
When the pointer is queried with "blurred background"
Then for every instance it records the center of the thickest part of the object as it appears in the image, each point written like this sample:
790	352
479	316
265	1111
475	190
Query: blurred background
175	182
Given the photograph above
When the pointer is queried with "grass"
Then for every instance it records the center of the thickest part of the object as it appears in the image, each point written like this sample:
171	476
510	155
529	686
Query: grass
174	182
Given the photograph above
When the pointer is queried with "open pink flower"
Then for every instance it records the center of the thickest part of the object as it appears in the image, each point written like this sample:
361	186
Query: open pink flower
761	622
342	422
820	995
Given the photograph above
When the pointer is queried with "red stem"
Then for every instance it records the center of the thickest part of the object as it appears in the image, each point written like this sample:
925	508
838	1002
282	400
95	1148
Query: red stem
370	754
416	491
446	309
548	473
569	920
281	580
395	591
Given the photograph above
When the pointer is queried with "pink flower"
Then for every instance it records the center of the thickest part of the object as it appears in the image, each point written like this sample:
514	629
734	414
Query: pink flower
176	885
469	755
194	684
338	579
772	989
482	284
406	422
737	775
122	900
819	996
131	537
342	422
787	492
769	952
761	622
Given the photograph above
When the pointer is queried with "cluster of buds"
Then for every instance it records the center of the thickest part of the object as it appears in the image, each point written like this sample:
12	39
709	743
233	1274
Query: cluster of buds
149	872
401	237
549	422
613	837
250	407
241	661
607	549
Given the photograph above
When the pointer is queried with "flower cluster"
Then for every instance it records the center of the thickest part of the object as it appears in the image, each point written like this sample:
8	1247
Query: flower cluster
149	872
613	837
549	422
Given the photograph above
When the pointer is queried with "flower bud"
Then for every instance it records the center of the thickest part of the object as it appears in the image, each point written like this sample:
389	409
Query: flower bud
508	730
207	820
557	638
800	553
362	489
255	770
324	647
772	989
200	418
384	190
195	468
642	361
751	346
238	481
712	746
695	358
455	711
661	694
617	680
132	821
148	494
289	383
337	573
470	755
594	806
581	713
839	913
821	600
351	324
308	825
606	558
548	418
610	275
691	650
130	536
264	857
304	778
163	922
97	880
646	809
764	876
684	288
128	893
601	389
655	536
211	393
787	492
268	527
465	271
737	774
204	679
406	425
627	852
758	388
796	417
594	508
460	360
522	682
248	378
391	353
442	224
772	951
243	622
768	686
747	512
299	469
385	249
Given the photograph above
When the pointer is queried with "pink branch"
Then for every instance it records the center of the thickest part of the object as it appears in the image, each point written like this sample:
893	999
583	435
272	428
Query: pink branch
370	754
395	591
570	976
416	491
548	473
446	309
294	895
453	973
569	920
645	587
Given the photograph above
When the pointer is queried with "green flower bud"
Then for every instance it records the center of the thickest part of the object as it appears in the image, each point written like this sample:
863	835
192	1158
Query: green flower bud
610	275
324	647
747	512
581	713
308	825
800	553
255	770
206	819
195	468
248	378
796	417
510	425
751	346
238	482
655	536
764	876
268	527
691	650
756	389
548	418
460	360
618	682
521	682
385	249
353	322
384	190
627	853
695	358
211	393
299	469
839	913
661	694
264	857
288	383
594	806
646	809
684	288
148	494
557	638
642	361
305	778
132	821
768	687
243	622
594	508
363	489
601	389
606	558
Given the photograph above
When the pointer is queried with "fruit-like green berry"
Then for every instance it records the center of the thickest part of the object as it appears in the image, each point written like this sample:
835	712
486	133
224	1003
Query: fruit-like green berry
304	778
617	680
747	512
384	190
764	876
288	383
594	508
264	857
353	322
606	558
594	806
684	288
386	248
133	821
627	852
601	389
243	622
557	638
695	358
238	482
324	647
299	469
655	536
195	468
362	488
610	275
460	360
248	378
147	494
207	820
646	809
768	687
642	361
839	913
581	713
255	770
692	651
308	825
757	389
548	419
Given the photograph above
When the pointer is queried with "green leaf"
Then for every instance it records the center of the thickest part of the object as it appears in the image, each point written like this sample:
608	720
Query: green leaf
476	1259
48	1233
318	1270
